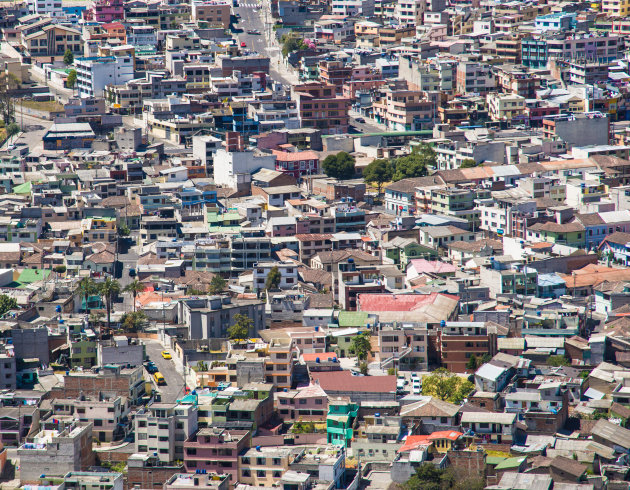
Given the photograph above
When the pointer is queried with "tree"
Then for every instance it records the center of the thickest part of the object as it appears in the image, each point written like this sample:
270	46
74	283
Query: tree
446	386
132	322
363	368
87	288
108	289
68	57
379	172
8	83
430	477
557	361
123	230
60	269
135	287
416	163
241	328
71	80
217	285
292	43
7	303
12	129
472	362
361	345
468	163
273	278
339	166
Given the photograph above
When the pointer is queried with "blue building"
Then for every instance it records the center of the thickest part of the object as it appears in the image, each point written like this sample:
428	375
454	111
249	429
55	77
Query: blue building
550	286
560	21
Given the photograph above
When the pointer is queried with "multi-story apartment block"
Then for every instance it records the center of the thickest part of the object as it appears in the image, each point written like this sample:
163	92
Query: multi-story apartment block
353	8
537	51
216	449
55	452
106	11
93	74
474	78
288	274
106	414
263	466
46	7
320	108
51	41
211	317
163	428
212	13
406	348
459	341
505	107
403	110
279	367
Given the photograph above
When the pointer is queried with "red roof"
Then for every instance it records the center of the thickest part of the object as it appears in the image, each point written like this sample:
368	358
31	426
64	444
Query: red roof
294	156
397	302
453	435
414	442
343	381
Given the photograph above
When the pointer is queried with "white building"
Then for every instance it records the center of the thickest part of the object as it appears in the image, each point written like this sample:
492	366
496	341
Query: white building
94	73
235	168
163	428
288	273
141	36
410	12
353	8
46	7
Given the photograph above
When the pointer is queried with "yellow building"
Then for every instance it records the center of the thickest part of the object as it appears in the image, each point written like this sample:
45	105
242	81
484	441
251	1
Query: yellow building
616	8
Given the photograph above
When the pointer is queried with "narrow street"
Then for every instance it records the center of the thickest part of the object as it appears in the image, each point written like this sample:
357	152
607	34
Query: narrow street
174	387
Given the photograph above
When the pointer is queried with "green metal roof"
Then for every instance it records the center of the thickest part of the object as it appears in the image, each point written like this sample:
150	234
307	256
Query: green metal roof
353	318
29	276
510	463
24	188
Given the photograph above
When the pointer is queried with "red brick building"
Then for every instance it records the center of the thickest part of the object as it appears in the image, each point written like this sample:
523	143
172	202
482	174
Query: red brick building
320	108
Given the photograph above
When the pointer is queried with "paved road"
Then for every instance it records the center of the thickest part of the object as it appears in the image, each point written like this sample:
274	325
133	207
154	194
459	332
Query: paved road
260	19
174	387
34	129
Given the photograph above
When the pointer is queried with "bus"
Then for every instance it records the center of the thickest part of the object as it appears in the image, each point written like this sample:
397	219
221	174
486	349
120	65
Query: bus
159	379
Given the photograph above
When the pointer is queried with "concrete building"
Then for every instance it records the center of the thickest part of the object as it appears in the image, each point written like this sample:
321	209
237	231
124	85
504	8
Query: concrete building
216	450
94	73
55	453
211	317
353	8
212	13
121	350
46	7
234	169
204	149
288	274
106	414
163	428
578	129
93	480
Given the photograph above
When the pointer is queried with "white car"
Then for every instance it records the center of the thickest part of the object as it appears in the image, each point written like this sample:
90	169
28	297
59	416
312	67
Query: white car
416	388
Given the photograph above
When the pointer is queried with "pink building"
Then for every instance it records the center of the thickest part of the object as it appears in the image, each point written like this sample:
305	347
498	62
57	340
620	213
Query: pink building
106	11
297	163
216	449
309	404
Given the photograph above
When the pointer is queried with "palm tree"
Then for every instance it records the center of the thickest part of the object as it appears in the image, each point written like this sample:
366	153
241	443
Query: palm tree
108	289
87	288
135	287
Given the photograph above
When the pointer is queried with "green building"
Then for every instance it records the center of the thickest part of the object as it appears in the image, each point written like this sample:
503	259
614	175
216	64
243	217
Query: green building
340	421
401	250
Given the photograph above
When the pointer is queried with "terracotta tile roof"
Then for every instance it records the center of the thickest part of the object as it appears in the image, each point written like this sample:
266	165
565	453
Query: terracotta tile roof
432	266
618	237
414	442
452	435
553	227
397	302
308	237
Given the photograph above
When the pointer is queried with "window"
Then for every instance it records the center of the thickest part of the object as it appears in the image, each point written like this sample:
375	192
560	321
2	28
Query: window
261	473
246	473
